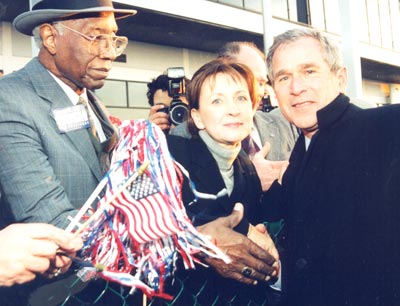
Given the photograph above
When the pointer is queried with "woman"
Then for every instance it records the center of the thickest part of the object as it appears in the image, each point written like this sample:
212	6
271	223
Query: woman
222	99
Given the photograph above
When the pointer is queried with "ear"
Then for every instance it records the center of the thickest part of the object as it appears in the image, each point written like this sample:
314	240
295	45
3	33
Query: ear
197	119
48	35
342	76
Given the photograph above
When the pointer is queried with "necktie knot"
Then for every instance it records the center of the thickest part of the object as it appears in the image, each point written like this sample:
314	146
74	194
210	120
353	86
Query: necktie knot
250	146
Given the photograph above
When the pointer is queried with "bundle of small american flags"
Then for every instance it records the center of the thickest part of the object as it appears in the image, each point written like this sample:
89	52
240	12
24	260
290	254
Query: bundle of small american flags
140	226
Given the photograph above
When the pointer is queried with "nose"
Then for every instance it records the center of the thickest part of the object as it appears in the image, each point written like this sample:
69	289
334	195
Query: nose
297	85
233	107
107	50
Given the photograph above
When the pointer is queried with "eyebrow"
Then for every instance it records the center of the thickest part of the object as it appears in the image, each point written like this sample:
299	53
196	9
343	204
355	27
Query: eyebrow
301	66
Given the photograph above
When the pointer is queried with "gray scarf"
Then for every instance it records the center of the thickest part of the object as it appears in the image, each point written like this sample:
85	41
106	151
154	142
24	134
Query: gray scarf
224	157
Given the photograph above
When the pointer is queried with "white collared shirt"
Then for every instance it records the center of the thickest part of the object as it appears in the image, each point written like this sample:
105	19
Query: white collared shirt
74	98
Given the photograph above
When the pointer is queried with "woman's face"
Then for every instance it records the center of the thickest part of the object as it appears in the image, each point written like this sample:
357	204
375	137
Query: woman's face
225	109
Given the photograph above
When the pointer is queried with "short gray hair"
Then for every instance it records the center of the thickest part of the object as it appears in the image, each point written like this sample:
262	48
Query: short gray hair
36	34
330	49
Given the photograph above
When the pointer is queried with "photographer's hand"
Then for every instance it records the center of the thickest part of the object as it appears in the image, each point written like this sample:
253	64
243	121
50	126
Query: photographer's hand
159	118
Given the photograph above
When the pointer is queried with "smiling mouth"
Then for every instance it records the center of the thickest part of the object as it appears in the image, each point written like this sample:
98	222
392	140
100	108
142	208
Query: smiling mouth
301	104
234	124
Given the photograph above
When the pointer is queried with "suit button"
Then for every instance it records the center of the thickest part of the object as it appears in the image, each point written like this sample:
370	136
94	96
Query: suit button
301	263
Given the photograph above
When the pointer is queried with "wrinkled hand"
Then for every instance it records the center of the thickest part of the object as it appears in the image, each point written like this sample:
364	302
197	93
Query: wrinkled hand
268	171
29	249
159	118
241	250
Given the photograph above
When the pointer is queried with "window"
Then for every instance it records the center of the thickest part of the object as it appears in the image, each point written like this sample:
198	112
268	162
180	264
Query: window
237	3
113	93
123	94
137	95
253	5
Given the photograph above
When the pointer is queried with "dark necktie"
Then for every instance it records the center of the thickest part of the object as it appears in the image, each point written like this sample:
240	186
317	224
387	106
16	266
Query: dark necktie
250	146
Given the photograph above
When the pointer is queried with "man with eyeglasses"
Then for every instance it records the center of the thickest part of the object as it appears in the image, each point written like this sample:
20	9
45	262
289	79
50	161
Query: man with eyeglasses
55	135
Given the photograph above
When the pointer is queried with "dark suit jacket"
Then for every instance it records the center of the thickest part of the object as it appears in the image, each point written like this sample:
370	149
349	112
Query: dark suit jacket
275	129
341	202
44	174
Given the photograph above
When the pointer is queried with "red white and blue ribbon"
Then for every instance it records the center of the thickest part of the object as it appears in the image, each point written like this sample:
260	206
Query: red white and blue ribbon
140	226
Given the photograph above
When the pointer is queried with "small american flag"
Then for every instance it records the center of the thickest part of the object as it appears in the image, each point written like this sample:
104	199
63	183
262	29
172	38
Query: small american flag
139	228
147	216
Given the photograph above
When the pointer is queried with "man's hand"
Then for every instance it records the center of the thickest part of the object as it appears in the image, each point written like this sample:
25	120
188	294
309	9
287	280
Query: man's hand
29	249
159	118
259	235
242	251
268	171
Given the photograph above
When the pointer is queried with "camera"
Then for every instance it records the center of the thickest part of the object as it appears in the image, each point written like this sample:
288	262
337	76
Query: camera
266	105
178	111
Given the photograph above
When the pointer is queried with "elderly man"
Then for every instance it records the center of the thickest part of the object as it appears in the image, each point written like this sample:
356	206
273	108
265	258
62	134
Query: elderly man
54	149
55	134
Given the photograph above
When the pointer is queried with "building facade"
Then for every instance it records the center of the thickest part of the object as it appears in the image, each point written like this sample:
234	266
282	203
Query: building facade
188	33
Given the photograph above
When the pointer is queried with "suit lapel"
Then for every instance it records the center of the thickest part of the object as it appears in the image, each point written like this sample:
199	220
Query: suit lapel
266	128
48	89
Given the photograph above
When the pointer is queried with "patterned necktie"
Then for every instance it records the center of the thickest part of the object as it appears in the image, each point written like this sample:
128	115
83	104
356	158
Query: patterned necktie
92	125
250	146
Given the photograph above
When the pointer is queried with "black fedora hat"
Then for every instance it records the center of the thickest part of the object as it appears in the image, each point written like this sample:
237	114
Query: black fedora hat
52	10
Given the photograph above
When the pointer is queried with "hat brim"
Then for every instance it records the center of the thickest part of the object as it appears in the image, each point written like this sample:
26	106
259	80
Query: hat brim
27	21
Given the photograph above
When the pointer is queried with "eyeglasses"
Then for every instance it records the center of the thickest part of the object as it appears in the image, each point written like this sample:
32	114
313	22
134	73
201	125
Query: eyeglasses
100	42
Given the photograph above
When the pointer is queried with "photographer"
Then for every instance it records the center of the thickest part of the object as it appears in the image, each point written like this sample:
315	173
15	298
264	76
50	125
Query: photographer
268	101
166	95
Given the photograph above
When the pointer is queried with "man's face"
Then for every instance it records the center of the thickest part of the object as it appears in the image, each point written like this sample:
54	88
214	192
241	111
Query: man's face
304	82
76	60
162	97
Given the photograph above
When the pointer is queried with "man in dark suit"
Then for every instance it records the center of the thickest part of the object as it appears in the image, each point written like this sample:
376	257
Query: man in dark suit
340	195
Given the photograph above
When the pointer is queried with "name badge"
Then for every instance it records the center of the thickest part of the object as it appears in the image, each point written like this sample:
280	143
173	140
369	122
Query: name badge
71	118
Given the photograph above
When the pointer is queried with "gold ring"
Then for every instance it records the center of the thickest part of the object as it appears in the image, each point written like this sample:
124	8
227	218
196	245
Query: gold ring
247	271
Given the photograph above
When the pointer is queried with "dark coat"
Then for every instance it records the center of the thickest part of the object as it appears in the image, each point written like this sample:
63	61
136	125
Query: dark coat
204	285
194	156
341	202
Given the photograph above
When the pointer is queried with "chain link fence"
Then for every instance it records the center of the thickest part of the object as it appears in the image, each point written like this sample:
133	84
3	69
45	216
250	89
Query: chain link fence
102	293
71	291
200	287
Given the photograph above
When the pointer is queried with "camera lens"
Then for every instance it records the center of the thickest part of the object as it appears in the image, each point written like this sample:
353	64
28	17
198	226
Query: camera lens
178	112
